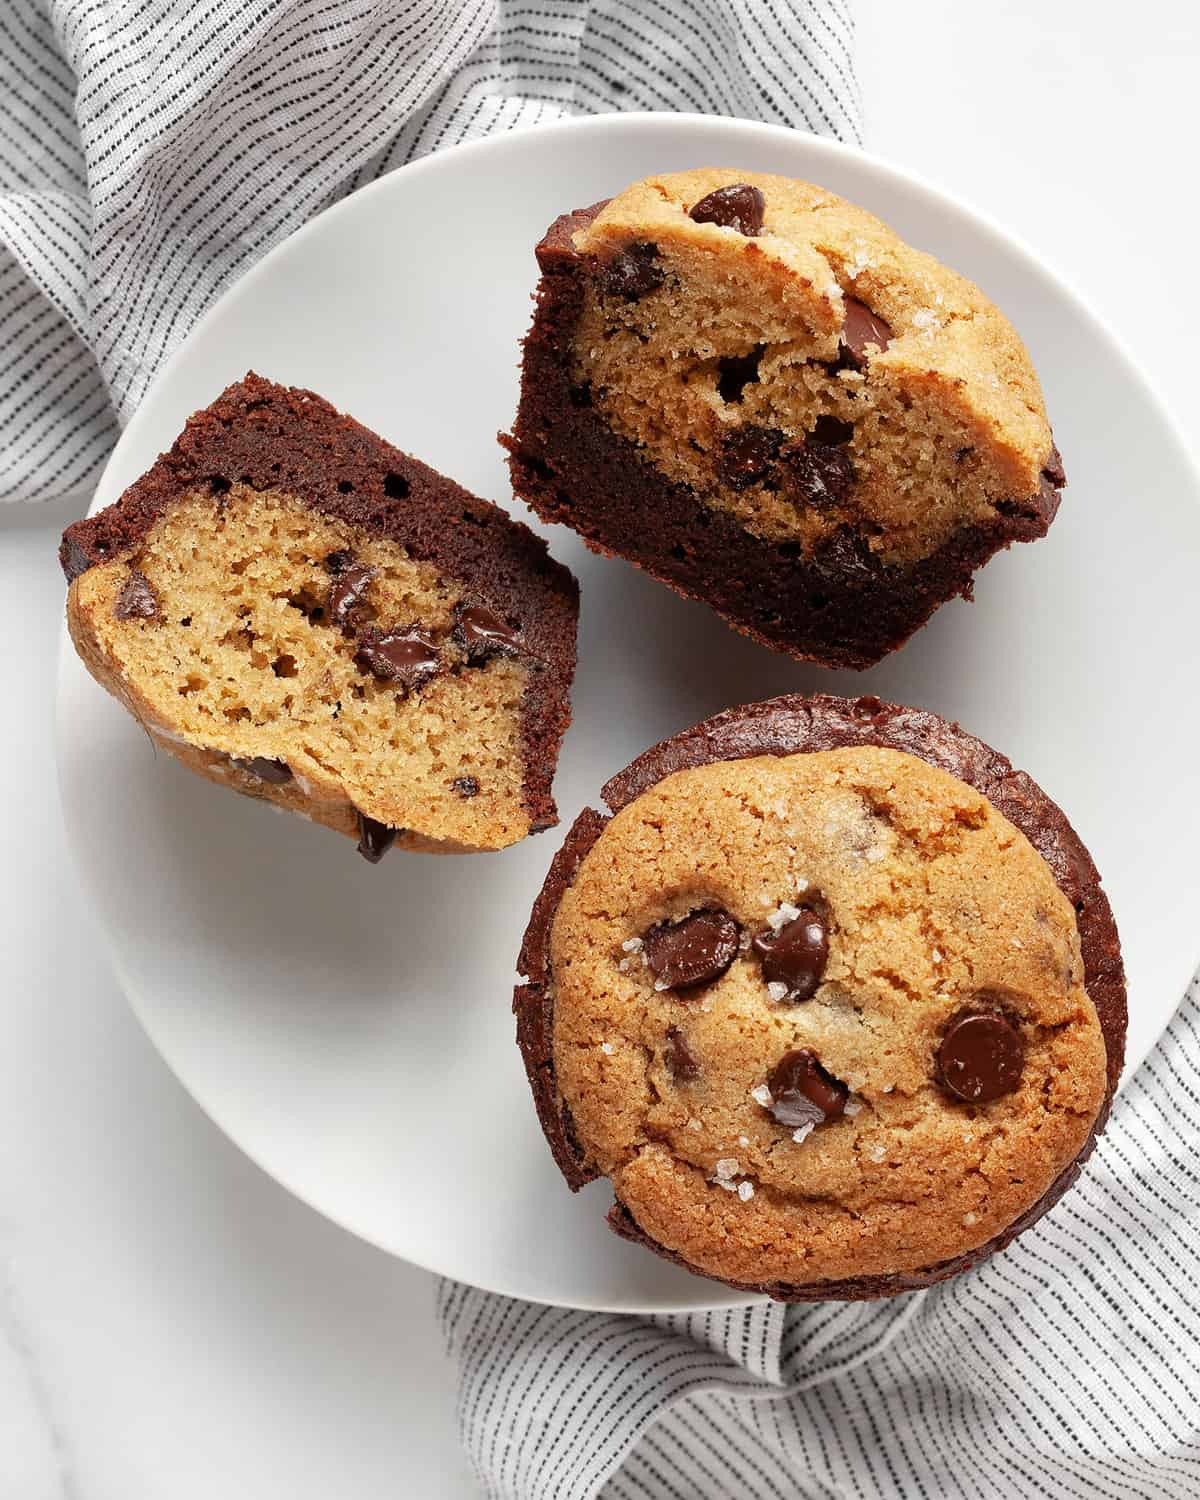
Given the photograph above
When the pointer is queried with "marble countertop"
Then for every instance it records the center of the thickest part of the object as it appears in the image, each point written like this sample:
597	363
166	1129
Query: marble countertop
172	1324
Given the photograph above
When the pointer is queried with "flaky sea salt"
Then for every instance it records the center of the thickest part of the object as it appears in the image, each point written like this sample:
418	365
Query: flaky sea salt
660	985
969	1219
745	1191
784	913
761	1094
694	1124
607	1048
632	945
877	1153
802	1132
937	955
801	885
777	990
925	317
853	1107
743	1140
726	1167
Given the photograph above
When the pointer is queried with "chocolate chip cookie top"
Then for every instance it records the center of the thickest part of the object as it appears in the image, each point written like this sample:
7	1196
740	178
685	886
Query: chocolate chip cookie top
792	360
920	1102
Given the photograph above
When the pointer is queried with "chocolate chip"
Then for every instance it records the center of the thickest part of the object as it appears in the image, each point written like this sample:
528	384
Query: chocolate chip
803	1093
465	786
738	206
796	955
861	328
277	772
73	558
137	600
632	273
695	951
747	455
374	839
483	633
408	656
981	1056
338	562
819	475
681	1065
347	601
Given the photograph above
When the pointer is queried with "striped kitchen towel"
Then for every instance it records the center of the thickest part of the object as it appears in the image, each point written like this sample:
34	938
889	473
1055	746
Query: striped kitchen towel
1068	1366
151	152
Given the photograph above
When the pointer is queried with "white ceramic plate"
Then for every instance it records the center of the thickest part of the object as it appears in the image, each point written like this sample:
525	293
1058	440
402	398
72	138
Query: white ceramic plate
349	1026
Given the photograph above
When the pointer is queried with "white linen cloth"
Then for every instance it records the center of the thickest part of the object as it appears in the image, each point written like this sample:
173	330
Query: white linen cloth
149	152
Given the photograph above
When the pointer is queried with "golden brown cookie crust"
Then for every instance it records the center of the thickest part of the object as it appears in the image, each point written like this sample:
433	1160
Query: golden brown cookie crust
949	422
935	899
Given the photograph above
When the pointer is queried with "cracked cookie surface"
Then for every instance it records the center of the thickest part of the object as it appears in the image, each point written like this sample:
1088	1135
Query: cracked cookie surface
930	903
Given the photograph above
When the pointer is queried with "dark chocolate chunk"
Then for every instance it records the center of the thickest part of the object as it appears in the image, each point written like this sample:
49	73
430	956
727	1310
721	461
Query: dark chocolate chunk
747	455
137	599
680	1062
408	656
483	633
338	562
374	839
632	273
695	951
803	1093
981	1056
465	786
347	602
277	772
1053	468
861	328
738	206
796	955
820	475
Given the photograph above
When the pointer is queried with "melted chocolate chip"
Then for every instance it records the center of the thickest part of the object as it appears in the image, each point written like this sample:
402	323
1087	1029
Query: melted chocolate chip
277	772
695	951
74	559
819	475
738	206
1053	469
632	273
347	601
483	633
465	786
681	1065
802	1092
796	955
861	328
408	656
981	1056
338	562
374	839
748	455
137	599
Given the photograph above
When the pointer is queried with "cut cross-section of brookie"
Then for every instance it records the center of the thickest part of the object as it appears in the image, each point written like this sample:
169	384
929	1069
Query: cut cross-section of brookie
298	610
762	396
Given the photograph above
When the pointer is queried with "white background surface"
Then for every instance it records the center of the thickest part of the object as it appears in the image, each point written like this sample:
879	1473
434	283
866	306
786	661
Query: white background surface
172	1325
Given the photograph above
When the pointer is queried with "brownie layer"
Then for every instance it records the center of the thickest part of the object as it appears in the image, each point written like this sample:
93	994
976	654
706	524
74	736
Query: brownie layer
840	606
273	437
793	725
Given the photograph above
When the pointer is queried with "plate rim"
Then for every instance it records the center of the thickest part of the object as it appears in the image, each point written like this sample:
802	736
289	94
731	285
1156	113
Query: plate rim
728	129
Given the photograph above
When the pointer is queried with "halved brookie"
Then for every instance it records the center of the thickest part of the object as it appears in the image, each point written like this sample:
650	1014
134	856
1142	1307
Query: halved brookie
758	393
298	610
